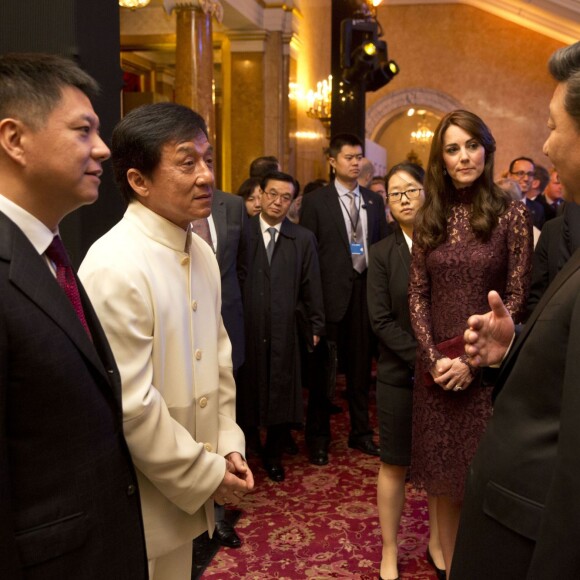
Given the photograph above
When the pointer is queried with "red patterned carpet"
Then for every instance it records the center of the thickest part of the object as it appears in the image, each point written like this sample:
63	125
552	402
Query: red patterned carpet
321	522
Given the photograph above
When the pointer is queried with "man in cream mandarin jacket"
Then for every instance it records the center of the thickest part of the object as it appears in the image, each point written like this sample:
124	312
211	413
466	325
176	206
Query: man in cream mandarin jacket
156	288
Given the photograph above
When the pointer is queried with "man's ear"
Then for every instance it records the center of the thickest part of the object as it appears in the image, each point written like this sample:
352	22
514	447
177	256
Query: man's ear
138	182
12	139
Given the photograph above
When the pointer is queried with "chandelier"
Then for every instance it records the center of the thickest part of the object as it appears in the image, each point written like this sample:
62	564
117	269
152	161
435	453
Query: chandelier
317	103
423	135
133	4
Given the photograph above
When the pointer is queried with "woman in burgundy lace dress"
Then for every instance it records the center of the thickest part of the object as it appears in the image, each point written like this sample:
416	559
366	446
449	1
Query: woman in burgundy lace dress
468	239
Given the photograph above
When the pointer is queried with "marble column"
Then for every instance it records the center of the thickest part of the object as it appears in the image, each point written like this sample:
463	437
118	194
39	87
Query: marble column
194	62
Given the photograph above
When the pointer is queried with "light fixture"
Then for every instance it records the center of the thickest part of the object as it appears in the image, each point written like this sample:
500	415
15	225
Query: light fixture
423	135
368	8
363	61
317	103
133	4
381	75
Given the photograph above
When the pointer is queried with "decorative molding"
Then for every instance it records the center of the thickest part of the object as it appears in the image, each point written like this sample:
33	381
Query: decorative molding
557	19
254	41
381	112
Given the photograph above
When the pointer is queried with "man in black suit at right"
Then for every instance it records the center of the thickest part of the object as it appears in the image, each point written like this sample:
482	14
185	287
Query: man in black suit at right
521	515
69	503
346	220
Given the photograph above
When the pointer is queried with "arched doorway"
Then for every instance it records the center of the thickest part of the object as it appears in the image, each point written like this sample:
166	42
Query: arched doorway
390	124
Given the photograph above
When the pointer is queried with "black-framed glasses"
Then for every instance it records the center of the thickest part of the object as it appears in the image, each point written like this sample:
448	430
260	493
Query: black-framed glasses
273	195
397	196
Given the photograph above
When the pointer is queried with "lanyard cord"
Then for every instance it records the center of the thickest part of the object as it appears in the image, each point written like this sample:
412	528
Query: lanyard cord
353	225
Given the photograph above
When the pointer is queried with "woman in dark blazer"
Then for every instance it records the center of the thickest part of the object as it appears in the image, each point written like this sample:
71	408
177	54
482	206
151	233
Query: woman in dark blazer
388	277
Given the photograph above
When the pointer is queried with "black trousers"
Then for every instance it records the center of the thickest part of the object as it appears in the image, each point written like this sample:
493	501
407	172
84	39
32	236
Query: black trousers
352	337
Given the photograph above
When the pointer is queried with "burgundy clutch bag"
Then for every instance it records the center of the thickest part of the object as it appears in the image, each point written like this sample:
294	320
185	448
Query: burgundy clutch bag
452	348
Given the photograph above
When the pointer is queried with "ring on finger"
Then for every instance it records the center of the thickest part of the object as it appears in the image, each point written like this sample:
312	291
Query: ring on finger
457	388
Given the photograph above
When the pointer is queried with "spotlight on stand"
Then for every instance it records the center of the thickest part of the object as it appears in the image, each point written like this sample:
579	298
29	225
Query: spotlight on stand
383	71
363	61
364	58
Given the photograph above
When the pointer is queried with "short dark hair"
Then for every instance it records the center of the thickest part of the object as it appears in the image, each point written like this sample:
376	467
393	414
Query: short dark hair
138	139
543	176
314	185
414	170
247	187
564	66
514	161
31	85
262	165
339	141
280	176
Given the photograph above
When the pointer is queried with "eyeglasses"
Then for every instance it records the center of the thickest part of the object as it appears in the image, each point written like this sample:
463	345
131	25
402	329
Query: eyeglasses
273	195
520	174
410	194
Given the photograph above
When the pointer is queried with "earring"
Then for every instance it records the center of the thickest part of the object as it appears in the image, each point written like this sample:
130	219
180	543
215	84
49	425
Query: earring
444	171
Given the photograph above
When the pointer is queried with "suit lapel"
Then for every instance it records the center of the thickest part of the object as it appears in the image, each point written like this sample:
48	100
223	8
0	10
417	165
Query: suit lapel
403	249
369	204
569	268
335	211
218	213
31	275
256	245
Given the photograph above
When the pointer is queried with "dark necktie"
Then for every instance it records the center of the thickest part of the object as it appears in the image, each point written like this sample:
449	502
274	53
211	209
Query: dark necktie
66	278
201	228
359	262
271	244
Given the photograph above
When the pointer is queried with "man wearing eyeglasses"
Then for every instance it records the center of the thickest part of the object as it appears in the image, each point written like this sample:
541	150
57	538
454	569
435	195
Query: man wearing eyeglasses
522	170
282	296
346	220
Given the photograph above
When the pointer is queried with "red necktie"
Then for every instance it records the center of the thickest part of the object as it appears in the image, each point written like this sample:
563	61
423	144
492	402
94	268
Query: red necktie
201	228
66	278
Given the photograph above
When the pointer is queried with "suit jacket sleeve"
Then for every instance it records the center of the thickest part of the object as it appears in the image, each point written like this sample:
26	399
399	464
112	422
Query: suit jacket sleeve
311	287
309	216
540	271
556	553
383	322
241	258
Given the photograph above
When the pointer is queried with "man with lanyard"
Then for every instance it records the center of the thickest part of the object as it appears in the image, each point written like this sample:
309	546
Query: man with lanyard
346	220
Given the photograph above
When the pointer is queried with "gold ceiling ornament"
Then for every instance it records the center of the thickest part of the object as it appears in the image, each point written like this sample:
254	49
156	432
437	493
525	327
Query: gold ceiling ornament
133	4
212	7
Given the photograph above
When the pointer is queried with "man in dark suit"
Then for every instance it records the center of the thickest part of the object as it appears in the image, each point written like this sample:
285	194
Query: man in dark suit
228	218
228	215
282	299
69	503
521	515
552	198
539	184
346	220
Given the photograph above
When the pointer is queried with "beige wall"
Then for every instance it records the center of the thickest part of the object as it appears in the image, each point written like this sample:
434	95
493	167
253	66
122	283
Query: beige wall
312	65
247	118
495	68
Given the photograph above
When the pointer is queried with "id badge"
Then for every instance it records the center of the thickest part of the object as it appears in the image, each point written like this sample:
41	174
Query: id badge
356	249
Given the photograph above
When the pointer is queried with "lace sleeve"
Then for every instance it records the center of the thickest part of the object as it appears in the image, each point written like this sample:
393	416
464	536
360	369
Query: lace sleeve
520	240
420	307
